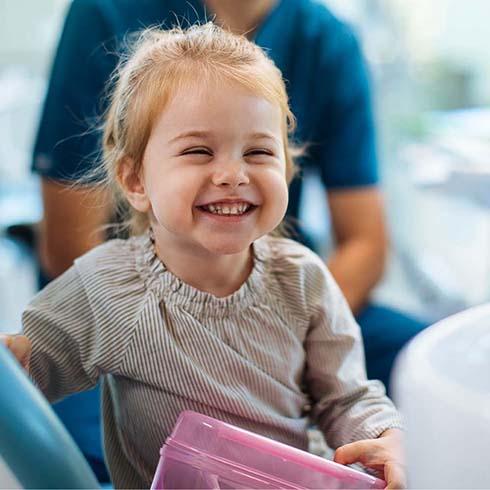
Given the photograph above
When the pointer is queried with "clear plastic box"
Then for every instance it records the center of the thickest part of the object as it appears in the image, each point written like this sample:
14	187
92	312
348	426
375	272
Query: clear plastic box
205	453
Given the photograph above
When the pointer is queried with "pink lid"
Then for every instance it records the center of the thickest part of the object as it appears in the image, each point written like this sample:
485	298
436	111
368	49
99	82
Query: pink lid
205	436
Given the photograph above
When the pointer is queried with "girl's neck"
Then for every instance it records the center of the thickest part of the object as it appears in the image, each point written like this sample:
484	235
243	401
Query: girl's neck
219	275
240	17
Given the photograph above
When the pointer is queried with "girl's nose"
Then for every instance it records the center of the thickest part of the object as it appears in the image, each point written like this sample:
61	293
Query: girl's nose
230	173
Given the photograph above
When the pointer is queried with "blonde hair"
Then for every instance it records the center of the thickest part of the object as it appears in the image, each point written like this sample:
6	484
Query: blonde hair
160	63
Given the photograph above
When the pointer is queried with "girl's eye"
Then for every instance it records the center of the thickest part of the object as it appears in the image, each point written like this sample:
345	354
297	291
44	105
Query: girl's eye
197	151
259	151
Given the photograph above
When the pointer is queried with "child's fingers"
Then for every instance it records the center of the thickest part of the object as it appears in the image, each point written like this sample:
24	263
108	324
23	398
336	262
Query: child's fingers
20	346
351	453
372	454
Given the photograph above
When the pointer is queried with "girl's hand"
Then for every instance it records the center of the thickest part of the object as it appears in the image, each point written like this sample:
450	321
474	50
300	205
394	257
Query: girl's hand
20	346
384	455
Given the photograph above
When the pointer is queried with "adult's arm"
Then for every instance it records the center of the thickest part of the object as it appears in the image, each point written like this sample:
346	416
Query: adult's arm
344	149
68	142
72	224
358	259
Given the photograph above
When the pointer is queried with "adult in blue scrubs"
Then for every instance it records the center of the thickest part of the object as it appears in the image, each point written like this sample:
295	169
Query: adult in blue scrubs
329	92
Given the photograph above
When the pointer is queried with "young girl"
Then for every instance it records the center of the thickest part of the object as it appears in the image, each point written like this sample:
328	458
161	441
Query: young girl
203	308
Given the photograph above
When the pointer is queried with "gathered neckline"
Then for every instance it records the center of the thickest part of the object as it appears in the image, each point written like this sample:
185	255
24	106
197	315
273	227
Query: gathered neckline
174	291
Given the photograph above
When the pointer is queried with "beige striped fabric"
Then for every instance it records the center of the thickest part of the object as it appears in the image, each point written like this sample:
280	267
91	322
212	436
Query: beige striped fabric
281	351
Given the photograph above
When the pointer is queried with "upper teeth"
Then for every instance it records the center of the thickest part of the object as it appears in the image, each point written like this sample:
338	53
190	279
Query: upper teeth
227	208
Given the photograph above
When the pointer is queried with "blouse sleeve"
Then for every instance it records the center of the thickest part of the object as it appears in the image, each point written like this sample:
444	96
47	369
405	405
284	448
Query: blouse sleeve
60	324
346	406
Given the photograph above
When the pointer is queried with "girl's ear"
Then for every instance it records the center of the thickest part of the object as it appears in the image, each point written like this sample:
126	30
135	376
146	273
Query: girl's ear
133	186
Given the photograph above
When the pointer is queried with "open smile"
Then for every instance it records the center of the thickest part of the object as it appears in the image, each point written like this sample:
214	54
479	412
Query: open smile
228	211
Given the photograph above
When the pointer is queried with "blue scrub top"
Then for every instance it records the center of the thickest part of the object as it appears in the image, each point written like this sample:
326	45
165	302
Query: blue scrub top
318	55
325	77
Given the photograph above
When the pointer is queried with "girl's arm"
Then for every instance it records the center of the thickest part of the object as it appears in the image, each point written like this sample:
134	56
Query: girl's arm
354	414
347	407
61	328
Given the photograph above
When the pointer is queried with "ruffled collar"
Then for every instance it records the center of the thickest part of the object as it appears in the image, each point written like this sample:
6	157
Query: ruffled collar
173	291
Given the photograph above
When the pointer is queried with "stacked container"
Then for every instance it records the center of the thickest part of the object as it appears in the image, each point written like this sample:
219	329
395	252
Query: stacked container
205	453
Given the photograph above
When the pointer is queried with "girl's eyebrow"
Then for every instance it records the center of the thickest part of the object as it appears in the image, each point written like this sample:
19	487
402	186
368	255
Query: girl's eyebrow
268	136
204	134
190	134
262	135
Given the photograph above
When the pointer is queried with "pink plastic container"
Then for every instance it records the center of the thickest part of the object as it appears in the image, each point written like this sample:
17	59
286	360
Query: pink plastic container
203	452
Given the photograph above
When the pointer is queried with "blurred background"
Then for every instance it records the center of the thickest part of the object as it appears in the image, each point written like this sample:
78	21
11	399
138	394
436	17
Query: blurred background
430	72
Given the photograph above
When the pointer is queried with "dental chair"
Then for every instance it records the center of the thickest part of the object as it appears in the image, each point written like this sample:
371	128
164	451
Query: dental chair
442	386
35	449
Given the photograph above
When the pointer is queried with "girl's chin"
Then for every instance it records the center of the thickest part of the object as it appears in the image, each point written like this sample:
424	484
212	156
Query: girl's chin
227	248
224	245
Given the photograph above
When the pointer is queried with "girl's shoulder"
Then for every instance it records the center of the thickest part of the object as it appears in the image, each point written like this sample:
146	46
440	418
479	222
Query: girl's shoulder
109	258
289	256
113	269
297	274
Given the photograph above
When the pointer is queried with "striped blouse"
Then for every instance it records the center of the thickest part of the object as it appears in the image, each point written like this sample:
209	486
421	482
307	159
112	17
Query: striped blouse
280	352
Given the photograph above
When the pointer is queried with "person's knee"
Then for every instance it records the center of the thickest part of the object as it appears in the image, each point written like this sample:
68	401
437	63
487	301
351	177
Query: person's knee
385	326
405	328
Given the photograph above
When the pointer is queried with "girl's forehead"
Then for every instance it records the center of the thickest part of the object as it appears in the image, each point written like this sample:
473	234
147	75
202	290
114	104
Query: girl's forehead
220	106
206	86
206	100
202	97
